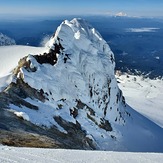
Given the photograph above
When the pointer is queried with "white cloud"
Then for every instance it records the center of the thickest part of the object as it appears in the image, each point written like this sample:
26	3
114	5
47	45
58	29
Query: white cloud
142	29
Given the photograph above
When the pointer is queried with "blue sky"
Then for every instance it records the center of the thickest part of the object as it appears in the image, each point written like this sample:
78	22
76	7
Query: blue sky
78	7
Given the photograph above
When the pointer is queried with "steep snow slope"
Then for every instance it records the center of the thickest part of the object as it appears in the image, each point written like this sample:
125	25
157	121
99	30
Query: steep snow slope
73	86
80	87
5	40
144	95
22	155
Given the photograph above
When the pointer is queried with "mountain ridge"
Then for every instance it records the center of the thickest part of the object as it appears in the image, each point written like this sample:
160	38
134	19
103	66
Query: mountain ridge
72	88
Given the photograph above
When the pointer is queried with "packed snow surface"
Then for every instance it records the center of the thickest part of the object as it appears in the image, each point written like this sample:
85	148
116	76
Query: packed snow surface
84	72
33	155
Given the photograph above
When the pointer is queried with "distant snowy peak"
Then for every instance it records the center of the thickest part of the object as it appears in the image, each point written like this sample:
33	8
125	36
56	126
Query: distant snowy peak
5	40
120	14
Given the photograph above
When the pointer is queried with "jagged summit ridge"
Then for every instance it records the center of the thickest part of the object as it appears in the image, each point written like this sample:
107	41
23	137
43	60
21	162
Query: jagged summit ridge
84	68
79	35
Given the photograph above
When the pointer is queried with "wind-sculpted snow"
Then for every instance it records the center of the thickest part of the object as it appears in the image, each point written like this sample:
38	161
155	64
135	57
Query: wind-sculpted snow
73	87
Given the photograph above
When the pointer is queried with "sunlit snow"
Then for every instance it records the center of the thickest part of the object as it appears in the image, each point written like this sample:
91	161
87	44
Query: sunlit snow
33	155
144	95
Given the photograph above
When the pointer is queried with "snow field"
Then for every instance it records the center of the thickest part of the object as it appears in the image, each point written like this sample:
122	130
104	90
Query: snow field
36	155
144	95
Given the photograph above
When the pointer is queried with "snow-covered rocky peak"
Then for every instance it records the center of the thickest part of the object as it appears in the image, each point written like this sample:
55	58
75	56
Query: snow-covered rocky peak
84	57
82	73
72	88
75	79
120	14
84	45
77	34
5	40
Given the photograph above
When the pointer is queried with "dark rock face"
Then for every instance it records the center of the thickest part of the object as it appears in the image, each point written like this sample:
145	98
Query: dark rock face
75	134
23	90
51	56
15	94
17	132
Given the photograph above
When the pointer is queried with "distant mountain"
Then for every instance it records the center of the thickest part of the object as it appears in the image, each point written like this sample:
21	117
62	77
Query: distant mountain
120	14
70	95
5	40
